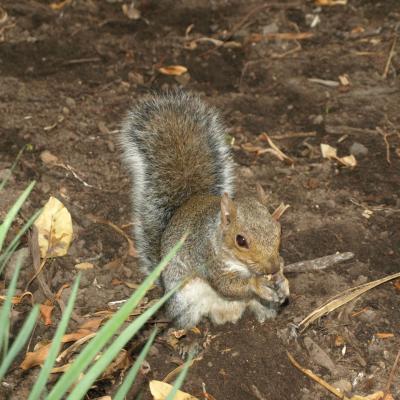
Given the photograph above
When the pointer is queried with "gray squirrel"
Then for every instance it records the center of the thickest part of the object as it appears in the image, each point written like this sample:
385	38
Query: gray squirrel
183	181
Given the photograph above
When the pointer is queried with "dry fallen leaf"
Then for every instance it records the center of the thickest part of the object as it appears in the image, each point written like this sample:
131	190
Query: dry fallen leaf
330	152
121	362
160	391
397	284
54	227
34	358
87	330
45	312
175	70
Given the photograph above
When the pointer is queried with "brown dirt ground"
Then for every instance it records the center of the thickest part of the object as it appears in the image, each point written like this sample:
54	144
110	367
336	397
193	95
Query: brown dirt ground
68	76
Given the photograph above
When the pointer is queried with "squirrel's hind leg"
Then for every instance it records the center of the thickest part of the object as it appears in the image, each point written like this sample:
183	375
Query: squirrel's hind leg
262	312
197	299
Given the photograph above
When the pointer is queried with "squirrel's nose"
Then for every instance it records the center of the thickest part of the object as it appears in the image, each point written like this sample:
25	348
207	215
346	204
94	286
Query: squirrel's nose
274	265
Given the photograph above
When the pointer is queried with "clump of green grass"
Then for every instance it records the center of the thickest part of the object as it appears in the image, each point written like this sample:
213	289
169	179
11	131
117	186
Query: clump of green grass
99	352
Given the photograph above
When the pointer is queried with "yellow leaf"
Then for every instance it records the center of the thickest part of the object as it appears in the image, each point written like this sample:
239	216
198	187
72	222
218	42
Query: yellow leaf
160	391
54	227
176	70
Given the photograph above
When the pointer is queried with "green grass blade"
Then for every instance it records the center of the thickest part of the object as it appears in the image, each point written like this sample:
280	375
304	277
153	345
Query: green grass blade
130	377
5	226
16	239
7	256
109	329
6	308
4	181
19	341
56	345
109	355
179	380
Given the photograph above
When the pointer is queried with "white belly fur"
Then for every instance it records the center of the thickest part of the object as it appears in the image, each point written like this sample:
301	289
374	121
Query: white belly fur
203	301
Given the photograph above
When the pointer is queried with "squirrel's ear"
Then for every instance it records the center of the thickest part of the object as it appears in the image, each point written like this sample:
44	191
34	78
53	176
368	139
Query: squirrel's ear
261	195
228	210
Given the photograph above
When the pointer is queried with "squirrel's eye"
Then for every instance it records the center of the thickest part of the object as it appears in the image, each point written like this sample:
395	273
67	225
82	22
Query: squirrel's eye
241	241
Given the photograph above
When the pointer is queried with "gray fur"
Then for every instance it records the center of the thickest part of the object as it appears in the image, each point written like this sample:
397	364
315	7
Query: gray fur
153	205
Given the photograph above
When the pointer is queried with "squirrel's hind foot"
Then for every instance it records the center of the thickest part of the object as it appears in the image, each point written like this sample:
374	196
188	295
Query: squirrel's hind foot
262	312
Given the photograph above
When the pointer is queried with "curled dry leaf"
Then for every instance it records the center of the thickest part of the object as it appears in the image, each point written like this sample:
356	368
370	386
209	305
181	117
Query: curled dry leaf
330	153
17	299
175	70
54	227
160	391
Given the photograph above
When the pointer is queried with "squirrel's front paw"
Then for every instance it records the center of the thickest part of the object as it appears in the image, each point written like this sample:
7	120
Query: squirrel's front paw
264	288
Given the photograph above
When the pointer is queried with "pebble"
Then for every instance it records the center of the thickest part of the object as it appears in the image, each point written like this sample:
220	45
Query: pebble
368	316
320	356
343	385
70	102
358	149
318	120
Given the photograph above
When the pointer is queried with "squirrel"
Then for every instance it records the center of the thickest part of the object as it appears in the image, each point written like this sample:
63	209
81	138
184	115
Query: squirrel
182	171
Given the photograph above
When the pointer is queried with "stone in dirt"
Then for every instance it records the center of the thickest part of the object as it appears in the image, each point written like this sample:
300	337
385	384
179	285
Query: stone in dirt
320	357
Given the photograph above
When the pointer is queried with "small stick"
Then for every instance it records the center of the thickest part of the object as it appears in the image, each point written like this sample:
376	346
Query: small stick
318	264
389	59
257	393
316	378
385	139
391	376
294	135
82	61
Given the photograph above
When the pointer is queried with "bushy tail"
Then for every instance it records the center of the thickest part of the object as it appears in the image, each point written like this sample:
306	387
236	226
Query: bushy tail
174	146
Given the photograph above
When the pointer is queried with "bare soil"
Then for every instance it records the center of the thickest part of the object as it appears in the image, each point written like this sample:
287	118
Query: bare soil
68	76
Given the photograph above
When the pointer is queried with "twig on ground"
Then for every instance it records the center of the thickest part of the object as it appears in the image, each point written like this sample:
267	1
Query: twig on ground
342	298
318	264
389	59
99	220
257	393
374	208
385	139
82	61
280	211
291	135
342	129
316	378
391	375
